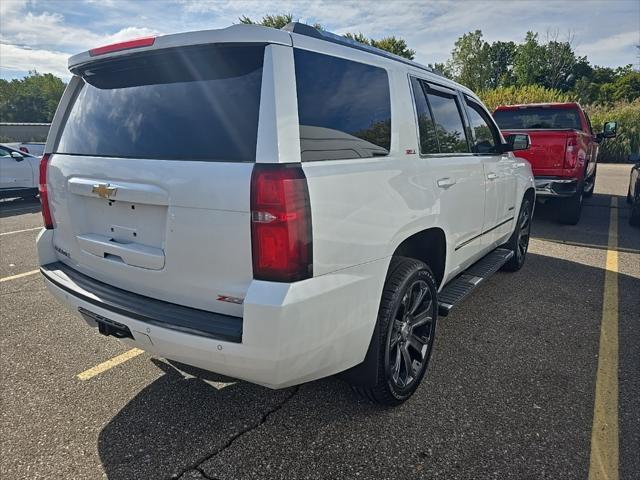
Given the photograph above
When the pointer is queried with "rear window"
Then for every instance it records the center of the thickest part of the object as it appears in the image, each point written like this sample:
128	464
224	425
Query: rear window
538	117
344	108
191	103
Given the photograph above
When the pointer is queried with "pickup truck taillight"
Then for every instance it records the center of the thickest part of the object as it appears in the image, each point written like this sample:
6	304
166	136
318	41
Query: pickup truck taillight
44	195
571	152
280	223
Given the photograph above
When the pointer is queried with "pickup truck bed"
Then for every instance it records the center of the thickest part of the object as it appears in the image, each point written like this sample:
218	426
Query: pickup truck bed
563	150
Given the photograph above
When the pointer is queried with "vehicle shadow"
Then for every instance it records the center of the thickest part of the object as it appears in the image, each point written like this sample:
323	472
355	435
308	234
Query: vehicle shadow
503	362
592	230
180	420
18	206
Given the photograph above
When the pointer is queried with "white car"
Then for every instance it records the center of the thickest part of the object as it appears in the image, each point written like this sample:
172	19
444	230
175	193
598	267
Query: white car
32	148
276	205
18	173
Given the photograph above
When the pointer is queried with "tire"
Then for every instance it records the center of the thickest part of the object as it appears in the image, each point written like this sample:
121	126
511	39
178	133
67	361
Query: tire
634	218
590	185
572	208
407	323
629	197
519	241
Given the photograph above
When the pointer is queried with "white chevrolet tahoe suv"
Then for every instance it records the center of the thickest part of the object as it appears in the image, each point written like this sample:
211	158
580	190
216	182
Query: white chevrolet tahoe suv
276	205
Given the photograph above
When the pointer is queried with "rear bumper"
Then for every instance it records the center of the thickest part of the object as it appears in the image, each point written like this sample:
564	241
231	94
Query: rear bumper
147	310
290	333
556	186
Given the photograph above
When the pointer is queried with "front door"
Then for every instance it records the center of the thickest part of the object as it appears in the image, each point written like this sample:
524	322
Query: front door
498	167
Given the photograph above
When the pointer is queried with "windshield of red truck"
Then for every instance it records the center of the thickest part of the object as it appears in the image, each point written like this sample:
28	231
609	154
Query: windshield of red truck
528	118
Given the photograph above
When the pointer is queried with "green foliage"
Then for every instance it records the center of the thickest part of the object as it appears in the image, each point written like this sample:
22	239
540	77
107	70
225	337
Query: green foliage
273	21
30	99
470	61
391	44
627	114
526	94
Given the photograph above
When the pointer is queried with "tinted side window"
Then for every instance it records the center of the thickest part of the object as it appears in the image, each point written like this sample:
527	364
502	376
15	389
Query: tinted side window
449	126
344	108
426	127
485	136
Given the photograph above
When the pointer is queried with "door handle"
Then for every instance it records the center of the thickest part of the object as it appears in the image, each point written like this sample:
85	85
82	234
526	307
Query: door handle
492	176
519	164
446	182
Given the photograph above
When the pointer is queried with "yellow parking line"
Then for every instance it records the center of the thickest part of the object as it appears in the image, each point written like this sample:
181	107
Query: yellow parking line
20	275
104	366
20	231
603	463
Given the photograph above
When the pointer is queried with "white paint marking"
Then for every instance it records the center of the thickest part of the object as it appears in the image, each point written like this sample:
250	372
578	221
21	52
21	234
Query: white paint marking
20	231
20	275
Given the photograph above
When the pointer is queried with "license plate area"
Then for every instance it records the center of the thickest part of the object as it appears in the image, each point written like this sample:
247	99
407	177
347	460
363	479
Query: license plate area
107	326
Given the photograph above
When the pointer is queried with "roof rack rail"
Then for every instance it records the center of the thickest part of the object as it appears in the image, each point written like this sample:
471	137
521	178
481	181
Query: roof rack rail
309	31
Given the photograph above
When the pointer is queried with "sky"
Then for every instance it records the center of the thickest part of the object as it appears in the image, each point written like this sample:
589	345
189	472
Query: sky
42	34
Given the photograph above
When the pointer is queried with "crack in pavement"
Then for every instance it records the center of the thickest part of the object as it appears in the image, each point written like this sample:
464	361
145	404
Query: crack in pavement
233	438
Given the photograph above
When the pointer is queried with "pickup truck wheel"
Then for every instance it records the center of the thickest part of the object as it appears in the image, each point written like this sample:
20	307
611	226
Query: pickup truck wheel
572	208
407	321
590	184
634	218
519	241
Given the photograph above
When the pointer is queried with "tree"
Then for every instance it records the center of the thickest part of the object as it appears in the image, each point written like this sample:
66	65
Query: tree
501	56
273	21
469	61
560	60
529	62
33	98
391	44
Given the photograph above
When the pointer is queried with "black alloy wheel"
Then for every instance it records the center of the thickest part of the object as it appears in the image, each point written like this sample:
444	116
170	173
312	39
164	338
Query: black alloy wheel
523	233
519	241
410	336
407	321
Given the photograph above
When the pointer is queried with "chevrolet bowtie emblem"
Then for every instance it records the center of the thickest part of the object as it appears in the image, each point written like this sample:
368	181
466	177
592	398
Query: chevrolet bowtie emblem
104	190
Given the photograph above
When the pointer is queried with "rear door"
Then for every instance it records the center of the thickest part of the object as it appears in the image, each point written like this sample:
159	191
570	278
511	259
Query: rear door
149	178
456	174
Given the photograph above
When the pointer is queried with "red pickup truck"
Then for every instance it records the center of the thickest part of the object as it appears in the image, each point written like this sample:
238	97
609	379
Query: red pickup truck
563	150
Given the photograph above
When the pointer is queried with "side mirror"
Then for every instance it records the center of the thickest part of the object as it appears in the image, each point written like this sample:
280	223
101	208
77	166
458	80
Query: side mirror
516	142
17	156
610	130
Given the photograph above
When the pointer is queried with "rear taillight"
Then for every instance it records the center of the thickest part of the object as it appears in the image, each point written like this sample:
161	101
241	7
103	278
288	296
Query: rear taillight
44	195
571	153
129	44
280	223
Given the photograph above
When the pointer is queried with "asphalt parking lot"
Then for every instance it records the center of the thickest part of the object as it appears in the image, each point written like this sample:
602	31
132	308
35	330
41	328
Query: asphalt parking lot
510	392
